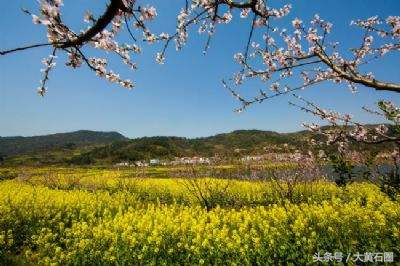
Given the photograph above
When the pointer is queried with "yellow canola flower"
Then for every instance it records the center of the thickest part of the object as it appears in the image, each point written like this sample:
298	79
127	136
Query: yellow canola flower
101	226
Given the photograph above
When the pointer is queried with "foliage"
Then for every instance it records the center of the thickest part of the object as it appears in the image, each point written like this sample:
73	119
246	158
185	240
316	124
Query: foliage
342	168
389	179
389	183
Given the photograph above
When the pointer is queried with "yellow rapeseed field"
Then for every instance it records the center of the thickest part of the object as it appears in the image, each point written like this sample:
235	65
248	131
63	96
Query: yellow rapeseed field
118	221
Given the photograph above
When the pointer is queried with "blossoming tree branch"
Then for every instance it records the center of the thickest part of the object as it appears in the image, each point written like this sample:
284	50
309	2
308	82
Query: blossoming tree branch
301	53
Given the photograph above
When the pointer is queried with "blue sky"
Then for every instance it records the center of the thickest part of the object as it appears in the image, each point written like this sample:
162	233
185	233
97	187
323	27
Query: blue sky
184	97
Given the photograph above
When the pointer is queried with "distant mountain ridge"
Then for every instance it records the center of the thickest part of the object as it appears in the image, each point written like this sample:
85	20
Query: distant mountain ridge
226	145
10	146
93	147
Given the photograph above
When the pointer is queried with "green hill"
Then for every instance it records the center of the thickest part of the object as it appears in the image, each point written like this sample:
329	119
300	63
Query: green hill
88	147
225	145
12	146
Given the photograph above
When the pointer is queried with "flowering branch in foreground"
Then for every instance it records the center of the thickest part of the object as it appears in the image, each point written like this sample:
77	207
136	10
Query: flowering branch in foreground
343	129
302	54
305	56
